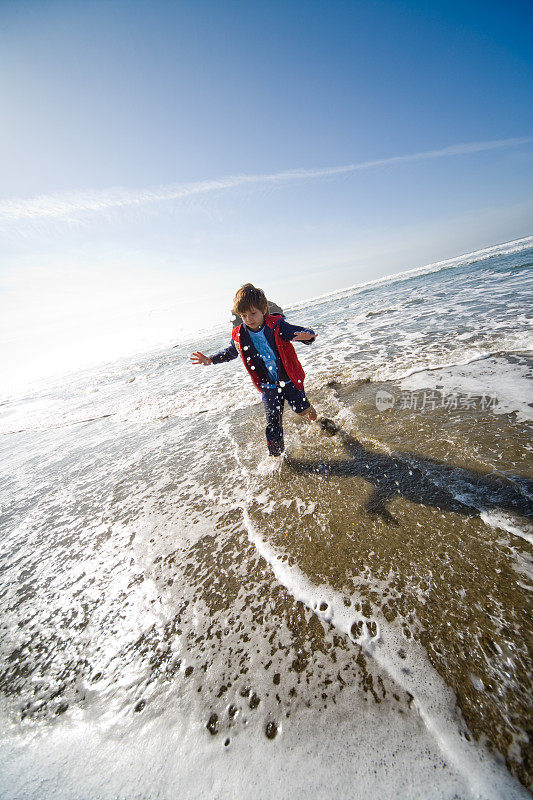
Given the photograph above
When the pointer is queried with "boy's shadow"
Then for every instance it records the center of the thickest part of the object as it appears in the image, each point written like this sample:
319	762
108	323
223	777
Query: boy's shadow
424	484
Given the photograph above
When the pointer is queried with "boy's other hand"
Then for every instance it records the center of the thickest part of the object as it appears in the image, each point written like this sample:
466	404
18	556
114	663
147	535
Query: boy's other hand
303	336
199	358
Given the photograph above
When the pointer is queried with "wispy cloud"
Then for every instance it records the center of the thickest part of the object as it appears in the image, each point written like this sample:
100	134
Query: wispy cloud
58	205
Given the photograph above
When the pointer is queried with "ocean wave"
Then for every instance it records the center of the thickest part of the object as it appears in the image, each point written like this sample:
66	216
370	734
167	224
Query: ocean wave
504	248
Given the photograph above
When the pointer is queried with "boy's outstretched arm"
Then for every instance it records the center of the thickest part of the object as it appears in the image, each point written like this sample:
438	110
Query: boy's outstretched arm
228	354
199	358
304	336
295	333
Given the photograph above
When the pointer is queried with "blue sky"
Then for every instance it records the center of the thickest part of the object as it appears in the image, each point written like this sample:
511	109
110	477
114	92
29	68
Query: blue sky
146	148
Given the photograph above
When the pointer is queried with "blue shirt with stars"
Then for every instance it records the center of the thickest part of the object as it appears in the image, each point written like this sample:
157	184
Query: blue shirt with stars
262	346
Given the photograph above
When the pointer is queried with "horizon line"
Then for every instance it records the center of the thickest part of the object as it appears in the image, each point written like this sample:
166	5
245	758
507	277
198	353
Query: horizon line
64	203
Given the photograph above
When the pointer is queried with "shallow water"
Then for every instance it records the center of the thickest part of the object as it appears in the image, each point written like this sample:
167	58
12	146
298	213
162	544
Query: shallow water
182	616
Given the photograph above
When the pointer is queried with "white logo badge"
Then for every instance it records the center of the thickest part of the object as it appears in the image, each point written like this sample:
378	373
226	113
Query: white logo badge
384	400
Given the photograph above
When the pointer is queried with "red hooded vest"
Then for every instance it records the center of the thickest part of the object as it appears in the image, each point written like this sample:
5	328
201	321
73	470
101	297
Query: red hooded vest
289	359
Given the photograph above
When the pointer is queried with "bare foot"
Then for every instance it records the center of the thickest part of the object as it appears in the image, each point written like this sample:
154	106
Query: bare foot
310	413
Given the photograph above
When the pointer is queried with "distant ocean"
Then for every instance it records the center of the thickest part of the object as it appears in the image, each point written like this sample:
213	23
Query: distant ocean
183	617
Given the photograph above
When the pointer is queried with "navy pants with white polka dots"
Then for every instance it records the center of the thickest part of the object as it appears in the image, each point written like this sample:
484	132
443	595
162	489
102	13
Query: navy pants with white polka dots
274	401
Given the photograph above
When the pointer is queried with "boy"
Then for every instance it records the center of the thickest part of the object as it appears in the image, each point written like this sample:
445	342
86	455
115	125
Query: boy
264	343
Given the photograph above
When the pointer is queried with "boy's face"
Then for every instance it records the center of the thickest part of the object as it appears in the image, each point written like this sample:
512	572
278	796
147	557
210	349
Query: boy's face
253	318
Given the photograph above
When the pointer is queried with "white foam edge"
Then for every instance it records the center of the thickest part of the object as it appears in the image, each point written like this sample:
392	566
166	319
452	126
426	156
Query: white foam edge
433	699
80	759
468	359
497	519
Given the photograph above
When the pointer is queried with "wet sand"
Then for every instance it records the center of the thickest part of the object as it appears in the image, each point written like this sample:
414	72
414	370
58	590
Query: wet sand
401	535
371	563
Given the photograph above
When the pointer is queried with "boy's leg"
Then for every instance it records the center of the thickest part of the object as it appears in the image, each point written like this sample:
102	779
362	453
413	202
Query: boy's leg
273	402
299	403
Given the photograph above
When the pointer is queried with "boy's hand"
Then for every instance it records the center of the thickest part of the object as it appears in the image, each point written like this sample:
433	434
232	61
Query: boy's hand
199	358
303	336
